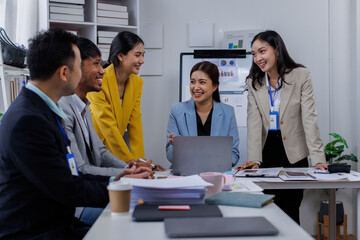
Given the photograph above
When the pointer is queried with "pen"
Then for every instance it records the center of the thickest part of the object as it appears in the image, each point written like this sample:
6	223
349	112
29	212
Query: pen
250	165
313	177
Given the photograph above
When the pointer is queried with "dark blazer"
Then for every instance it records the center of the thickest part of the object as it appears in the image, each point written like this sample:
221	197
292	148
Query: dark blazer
38	194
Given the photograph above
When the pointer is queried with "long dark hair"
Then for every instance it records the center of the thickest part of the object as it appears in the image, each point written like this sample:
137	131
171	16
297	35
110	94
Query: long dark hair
284	62
123	43
213	72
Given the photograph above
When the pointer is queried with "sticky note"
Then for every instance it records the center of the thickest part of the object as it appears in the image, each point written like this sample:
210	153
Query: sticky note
174	207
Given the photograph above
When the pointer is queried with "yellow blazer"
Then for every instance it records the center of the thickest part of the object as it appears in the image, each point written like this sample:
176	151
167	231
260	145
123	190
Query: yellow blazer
111	118
297	119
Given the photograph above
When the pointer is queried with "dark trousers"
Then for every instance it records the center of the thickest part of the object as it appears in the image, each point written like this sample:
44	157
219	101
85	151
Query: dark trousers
274	155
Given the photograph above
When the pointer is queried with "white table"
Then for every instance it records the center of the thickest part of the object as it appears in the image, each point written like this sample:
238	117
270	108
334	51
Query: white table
275	183
108	227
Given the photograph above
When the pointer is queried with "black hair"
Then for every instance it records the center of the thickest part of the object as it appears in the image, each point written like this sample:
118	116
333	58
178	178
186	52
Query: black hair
284	62
122	43
88	49
49	50
213	72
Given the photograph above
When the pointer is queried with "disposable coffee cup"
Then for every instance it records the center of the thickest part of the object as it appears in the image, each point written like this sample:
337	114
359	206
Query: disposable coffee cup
119	195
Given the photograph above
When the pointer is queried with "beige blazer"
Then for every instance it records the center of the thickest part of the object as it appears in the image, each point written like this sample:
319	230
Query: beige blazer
297	116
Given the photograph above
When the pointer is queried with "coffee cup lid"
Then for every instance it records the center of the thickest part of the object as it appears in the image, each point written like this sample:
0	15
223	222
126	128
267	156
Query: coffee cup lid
118	185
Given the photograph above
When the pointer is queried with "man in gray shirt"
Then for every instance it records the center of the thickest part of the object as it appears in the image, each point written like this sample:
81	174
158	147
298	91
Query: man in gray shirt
90	153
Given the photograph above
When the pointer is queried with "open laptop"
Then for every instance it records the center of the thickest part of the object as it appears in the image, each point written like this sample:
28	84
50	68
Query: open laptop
196	154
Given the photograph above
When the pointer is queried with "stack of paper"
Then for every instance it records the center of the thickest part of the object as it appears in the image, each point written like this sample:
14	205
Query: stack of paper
67	10
112	14
184	190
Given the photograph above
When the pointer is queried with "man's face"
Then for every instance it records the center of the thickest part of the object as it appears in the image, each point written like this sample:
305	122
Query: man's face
75	73
92	74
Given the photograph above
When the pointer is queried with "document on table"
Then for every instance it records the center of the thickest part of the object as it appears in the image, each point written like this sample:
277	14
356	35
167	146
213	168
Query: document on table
173	191
181	182
260	172
296	176
244	185
331	176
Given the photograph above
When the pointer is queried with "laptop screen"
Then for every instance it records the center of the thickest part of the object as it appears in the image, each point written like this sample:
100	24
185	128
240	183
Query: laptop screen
196	154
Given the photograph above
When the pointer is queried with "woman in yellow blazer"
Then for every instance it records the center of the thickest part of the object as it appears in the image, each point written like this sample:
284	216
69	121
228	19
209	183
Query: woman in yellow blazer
282	129
117	106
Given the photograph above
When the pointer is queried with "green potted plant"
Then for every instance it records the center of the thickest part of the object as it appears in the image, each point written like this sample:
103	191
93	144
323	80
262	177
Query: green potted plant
334	150
334	156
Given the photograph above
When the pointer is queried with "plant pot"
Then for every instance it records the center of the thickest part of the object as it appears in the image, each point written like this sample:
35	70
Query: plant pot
334	168
324	210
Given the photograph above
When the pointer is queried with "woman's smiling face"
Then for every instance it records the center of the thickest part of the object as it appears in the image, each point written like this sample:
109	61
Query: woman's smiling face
265	56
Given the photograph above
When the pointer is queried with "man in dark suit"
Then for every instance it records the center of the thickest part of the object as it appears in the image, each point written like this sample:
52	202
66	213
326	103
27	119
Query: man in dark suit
38	189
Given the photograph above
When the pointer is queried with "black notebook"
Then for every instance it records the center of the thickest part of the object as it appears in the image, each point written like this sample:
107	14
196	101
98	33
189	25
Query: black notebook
219	227
146	212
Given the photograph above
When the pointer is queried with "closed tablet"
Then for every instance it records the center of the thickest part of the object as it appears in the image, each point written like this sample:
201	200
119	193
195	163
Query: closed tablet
219	227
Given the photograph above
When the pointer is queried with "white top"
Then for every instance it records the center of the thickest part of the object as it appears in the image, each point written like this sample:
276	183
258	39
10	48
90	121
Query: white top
275	93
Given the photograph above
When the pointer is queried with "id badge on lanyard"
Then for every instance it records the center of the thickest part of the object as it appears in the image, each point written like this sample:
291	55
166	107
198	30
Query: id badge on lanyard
274	122
72	164
69	156
274	115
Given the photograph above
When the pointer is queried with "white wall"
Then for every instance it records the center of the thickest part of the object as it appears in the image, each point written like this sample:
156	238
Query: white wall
304	37
343	94
312	30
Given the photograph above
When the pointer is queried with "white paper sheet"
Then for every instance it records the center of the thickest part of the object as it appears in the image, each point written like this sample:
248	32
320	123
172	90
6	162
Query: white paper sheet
265	172
243	185
153	63
181	182
152	34
331	176
200	34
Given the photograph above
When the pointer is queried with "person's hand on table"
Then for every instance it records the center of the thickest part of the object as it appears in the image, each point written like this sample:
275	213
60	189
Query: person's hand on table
149	164
247	165
140	162
171	138
321	166
136	172
159	168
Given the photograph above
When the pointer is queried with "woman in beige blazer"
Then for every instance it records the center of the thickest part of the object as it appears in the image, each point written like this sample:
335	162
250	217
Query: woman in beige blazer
282	129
